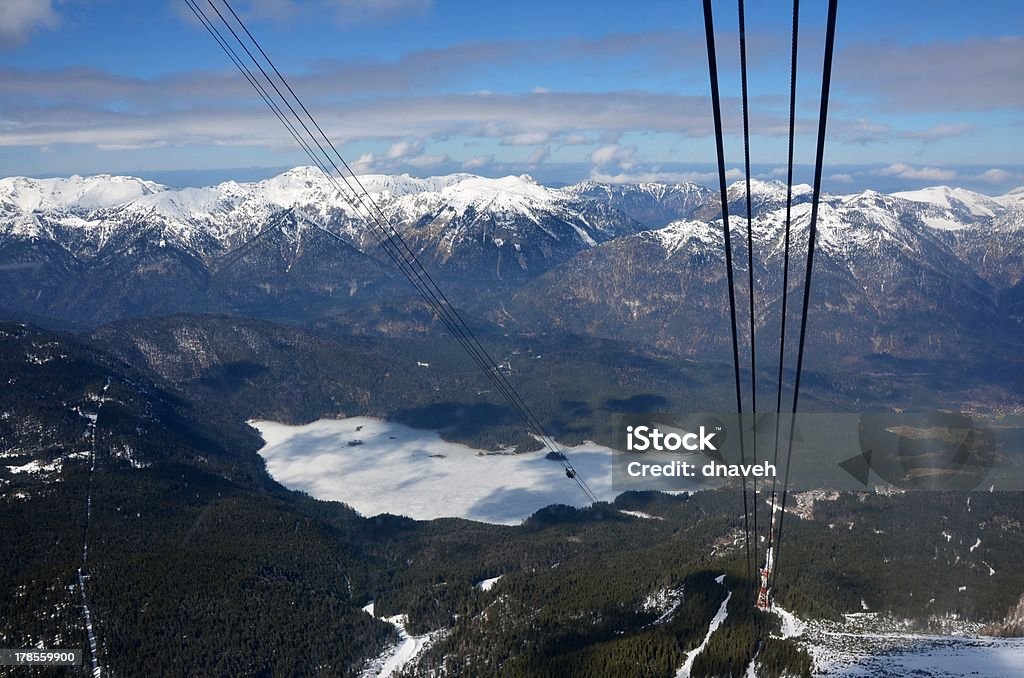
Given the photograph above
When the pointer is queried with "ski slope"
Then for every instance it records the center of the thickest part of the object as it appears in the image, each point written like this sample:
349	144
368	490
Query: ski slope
716	621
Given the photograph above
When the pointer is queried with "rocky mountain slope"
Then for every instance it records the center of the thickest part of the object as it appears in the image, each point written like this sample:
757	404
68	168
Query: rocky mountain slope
893	275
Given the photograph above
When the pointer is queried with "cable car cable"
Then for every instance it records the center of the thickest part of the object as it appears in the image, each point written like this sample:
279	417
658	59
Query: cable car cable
716	106
826	81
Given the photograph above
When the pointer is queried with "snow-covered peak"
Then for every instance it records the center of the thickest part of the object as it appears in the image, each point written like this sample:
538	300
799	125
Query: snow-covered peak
845	225
523	184
405	184
74	192
232	203
757	186
183	204
86	212
654	188
866	194
770	190
689	234
953	198
511	193
1014	198
300	186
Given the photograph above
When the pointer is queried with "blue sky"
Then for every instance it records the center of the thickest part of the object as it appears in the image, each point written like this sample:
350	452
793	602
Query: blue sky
925	93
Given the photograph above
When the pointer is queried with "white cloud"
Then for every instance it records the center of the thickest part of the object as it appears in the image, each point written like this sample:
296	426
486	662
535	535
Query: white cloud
538	156
904	171
346	12
526	139
395	160
215	121
978	73
403	149
937	132
864	131
477	162
861	131
131	147
998	176
275	10
20	18
427	160
375	11
365	163
706	178
574	139
614	154
841	177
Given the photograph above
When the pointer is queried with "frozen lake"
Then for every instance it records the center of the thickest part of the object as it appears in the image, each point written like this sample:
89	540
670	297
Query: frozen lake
871	644
932	656
412	472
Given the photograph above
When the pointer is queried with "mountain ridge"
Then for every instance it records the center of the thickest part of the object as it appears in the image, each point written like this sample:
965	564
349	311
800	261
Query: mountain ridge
908	274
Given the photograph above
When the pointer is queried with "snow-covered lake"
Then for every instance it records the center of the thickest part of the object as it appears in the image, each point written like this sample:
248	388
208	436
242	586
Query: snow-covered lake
412	472
869	644
928	657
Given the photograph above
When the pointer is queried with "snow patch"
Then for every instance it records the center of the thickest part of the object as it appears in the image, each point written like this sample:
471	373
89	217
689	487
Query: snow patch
666	601
37	467
488	584
792	626
716	621
692	235
640	514
395	658
942	223
74	192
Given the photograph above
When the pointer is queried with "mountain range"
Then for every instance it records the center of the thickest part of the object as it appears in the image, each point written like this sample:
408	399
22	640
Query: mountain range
930	274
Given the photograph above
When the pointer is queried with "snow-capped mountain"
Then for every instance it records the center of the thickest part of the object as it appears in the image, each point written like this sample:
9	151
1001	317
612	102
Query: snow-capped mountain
441	215
507	229
954	200
93	245
913	273
888	279
765	196
73	193
652	204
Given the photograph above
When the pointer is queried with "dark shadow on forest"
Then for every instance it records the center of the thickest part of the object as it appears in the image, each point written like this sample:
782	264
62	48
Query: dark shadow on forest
642	402
457	419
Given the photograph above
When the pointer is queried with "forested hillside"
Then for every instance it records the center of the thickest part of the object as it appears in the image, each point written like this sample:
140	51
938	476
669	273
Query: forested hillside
198	560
